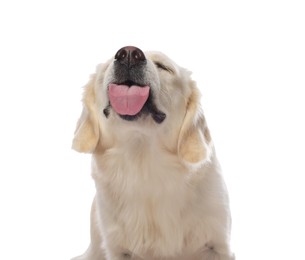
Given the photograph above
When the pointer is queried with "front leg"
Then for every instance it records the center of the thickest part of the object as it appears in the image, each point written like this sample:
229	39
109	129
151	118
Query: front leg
95	250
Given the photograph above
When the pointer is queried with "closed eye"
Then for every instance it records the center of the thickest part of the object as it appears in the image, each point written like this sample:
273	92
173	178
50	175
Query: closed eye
162	66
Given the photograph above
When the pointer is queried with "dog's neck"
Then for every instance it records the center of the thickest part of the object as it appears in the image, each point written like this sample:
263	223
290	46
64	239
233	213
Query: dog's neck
131	136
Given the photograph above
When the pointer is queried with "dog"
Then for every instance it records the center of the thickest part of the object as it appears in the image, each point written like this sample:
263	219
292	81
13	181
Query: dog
159	189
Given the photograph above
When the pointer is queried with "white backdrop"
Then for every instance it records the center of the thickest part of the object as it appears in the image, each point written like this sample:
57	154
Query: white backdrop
248	59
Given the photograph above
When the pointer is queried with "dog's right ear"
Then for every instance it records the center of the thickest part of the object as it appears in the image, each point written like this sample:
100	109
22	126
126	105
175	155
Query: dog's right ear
86	135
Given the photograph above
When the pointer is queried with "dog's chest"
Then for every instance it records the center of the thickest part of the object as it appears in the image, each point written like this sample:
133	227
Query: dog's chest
149	194
143	175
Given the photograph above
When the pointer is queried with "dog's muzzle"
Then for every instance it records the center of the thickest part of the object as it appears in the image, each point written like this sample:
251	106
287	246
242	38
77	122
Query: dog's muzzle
130	96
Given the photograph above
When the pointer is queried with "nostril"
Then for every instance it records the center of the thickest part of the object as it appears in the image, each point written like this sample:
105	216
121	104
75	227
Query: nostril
121	54
137	55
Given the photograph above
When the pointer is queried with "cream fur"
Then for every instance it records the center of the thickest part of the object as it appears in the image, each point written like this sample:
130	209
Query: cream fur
159	190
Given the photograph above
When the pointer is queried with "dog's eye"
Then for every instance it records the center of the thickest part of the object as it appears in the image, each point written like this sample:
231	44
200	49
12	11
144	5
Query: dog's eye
162	67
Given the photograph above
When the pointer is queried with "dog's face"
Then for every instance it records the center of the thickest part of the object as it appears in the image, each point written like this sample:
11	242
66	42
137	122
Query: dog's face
137	86
143	90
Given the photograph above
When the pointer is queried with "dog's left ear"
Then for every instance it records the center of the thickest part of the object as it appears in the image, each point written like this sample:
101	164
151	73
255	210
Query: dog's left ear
86	135
194	142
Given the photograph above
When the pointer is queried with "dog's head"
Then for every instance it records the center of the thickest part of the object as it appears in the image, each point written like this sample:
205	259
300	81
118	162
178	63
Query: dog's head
148	92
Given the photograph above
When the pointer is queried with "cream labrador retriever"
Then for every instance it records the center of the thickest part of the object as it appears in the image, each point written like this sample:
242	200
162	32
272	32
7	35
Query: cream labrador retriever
159	189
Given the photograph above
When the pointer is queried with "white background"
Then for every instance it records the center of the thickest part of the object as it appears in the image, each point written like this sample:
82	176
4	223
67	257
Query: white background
249	61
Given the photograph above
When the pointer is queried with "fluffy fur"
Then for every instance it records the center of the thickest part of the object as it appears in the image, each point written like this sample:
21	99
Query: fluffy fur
159	190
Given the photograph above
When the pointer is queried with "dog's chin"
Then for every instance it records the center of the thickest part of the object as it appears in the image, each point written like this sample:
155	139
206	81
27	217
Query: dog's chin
132	117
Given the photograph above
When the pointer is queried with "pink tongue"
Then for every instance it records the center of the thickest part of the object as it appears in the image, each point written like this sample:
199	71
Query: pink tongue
127	100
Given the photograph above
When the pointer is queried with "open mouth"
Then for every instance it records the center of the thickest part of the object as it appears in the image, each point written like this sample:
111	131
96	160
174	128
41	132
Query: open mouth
128	99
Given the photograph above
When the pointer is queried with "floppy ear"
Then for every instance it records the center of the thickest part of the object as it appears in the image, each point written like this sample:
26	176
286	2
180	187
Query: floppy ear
194	142
86	135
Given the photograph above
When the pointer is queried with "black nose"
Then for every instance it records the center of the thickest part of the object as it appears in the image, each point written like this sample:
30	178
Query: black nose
130	56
